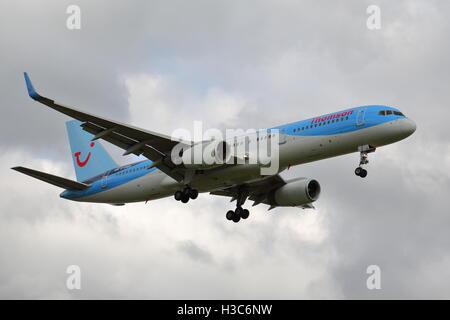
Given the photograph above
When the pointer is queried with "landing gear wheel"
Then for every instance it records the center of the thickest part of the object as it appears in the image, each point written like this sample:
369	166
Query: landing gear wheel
230	215
363	173
193	193
184	198
236	218
178	195
358	171
244	214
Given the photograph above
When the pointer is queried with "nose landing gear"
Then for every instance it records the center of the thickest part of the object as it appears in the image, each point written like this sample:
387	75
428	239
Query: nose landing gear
186	194
361	172
363	160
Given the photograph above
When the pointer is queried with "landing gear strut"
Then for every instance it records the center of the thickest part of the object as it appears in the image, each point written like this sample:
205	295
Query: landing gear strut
239	213
363	160
186	194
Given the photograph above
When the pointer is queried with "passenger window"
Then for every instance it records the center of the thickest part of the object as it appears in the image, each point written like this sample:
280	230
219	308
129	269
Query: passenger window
346	118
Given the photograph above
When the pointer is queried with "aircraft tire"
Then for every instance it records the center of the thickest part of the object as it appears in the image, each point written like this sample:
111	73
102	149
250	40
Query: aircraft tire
193	193
178	195
363	173
184	198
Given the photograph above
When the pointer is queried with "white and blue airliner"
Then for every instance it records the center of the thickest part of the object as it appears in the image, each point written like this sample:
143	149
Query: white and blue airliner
99	179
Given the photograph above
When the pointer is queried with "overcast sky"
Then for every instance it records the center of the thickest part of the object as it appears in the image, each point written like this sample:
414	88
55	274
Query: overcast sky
161	65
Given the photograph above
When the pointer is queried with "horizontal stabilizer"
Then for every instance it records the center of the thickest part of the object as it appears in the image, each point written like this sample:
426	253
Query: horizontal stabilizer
55	180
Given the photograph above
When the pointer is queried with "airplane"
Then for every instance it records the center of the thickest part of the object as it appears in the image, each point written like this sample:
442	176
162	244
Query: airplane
99	179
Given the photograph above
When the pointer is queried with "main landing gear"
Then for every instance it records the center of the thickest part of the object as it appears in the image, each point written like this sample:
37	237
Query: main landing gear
363	160
239	213
186	194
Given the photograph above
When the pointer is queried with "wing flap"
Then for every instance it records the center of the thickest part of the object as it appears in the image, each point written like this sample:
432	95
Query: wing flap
163	162
258	191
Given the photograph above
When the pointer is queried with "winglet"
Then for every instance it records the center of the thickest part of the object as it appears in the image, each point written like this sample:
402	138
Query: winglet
31	92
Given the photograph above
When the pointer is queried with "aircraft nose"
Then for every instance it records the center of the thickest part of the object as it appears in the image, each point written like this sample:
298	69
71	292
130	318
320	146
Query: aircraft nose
408	126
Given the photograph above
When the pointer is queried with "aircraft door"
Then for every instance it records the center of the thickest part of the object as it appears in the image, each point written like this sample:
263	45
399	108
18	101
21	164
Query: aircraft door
105	180
282	136
360	117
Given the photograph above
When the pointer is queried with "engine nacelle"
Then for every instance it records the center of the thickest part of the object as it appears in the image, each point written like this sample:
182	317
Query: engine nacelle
206	155
296	193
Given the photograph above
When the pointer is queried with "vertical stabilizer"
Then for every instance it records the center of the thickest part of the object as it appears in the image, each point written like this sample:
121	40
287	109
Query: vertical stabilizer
89	157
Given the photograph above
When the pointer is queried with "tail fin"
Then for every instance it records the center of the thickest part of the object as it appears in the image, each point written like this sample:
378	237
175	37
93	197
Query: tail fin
89	157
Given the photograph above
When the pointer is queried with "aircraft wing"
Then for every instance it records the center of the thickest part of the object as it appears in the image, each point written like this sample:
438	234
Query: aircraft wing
258	191
154	146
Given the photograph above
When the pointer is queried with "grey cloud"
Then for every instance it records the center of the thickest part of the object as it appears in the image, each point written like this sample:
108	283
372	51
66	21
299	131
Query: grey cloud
194	252
286	61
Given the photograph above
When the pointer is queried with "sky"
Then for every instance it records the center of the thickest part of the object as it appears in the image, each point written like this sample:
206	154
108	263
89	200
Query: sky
161	65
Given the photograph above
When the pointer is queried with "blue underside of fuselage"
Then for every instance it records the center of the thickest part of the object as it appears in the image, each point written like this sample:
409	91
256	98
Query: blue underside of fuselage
330	124
114	178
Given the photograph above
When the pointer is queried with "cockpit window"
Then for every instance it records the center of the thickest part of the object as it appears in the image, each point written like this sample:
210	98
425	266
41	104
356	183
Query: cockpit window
389	112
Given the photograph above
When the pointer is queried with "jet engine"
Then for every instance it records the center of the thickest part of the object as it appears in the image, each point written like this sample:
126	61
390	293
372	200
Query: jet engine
205	155
296	192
